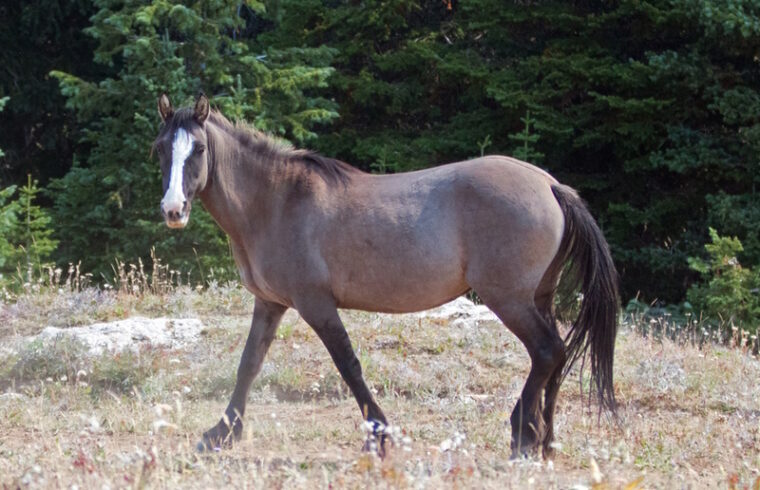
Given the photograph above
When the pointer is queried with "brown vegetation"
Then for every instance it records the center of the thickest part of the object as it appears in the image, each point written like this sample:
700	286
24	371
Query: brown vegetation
690	418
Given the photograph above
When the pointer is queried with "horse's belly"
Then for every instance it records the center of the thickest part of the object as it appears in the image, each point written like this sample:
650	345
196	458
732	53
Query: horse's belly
401	303
400	287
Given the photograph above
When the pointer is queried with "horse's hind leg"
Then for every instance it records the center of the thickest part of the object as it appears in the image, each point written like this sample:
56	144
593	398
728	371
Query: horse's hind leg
544	304
546	351
550	403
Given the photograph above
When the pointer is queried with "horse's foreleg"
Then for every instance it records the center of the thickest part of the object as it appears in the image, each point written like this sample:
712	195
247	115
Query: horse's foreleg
266	318
323	318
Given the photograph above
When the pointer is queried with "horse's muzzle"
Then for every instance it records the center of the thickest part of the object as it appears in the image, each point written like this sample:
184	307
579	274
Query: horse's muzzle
176	215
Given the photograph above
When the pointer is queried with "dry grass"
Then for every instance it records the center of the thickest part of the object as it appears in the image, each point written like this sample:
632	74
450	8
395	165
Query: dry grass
690	418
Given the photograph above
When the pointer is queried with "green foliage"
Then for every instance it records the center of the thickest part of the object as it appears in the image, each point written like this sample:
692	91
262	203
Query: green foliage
106	206
36	133
728	292
527	140
10	211
650	108
25	229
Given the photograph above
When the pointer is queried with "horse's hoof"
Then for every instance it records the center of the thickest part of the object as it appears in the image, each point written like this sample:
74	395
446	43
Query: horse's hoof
220	436
375	447
521	455
548	452
526	450
376	438
206	447
211	442
209	445
550	448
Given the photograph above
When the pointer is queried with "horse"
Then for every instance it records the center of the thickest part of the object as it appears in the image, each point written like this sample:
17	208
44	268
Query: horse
316	234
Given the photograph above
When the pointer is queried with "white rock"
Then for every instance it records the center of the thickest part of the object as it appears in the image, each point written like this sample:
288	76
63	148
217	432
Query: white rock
130	334
463	311
162	424
12	396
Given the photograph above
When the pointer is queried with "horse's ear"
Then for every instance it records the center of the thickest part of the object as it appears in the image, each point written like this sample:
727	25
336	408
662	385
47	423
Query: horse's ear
202	108
165	109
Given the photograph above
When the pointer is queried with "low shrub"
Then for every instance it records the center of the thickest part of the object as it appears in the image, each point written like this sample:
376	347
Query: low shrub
728	293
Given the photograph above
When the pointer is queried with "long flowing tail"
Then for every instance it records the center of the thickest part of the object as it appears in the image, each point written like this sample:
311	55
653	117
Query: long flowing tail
589	268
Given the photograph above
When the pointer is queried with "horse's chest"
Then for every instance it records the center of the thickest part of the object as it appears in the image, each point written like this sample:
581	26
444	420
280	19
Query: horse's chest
261	288
255	280
246	277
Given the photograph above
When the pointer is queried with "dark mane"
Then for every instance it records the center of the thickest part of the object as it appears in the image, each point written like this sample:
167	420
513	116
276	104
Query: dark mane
270	148
331	169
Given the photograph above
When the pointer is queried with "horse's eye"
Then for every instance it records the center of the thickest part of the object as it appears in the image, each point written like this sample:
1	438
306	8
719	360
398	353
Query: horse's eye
199	148
160	151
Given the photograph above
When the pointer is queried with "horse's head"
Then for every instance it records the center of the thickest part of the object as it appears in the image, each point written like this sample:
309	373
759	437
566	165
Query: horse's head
181	149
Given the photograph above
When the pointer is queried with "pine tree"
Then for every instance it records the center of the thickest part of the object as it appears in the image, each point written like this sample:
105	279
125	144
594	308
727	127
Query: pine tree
649	108
107	205
35	130
527	140
25	230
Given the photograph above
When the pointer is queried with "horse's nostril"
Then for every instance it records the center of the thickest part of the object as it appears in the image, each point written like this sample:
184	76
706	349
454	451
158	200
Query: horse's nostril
173	211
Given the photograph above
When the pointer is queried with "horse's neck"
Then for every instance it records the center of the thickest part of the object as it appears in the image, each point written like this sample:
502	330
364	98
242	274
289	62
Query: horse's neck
237	194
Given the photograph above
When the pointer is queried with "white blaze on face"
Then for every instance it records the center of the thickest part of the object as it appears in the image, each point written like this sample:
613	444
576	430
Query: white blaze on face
182	147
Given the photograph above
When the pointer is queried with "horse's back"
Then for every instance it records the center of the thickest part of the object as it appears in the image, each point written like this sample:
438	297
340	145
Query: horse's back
481	197
410	241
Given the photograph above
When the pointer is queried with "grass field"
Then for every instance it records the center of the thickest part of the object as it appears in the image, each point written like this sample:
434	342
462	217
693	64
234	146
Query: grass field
689	417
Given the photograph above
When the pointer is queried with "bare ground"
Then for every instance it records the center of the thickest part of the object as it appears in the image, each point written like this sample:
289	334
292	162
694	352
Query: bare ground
689	418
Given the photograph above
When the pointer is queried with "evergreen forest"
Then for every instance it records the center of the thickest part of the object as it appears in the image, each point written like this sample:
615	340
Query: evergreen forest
650	108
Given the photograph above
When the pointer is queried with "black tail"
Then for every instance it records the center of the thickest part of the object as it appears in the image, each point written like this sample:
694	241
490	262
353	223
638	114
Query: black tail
589	269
